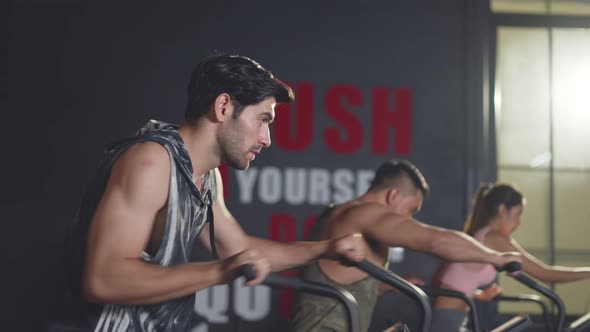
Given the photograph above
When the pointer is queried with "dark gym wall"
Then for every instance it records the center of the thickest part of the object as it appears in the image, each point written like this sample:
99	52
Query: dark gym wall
79	75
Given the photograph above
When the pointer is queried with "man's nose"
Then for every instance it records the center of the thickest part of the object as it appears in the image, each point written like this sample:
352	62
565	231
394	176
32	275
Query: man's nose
265	138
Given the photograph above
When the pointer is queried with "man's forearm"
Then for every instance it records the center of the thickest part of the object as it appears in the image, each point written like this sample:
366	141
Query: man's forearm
287	255
138	282
458	246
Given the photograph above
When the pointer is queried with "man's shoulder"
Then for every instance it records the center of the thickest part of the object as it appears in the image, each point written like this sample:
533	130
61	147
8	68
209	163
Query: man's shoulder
144	156
360	207
356	212
151	150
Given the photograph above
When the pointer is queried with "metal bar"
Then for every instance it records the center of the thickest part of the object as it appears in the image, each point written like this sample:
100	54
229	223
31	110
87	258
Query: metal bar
580	324
404	286
475	326
524	279
529	298
276	280
516	324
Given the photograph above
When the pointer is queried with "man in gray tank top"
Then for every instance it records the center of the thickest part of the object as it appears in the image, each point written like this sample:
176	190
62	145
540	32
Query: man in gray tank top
159	191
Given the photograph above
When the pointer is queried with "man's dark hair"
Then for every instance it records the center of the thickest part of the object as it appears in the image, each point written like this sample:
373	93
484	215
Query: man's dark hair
391	172
246	81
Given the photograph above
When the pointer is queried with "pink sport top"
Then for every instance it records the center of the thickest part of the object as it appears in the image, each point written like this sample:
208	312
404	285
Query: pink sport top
467	277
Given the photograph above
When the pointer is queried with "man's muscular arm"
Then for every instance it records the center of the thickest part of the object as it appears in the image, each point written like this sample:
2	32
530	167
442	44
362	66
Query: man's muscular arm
287	255
393	230
121	227
231	239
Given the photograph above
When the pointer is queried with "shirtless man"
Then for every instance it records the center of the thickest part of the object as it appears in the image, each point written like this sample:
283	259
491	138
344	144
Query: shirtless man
384	216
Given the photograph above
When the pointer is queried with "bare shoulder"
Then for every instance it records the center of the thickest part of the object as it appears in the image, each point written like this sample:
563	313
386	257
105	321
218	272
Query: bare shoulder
357	214
146	151
142	168
136	190
143	156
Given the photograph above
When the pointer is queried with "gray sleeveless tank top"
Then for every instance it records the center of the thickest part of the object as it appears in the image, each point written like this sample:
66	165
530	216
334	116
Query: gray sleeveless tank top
187	212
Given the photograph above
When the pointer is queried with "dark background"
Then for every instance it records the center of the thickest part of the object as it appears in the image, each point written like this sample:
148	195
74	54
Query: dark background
76	75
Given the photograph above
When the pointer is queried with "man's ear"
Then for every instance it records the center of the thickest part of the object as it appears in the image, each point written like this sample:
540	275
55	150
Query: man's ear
391	195
222	108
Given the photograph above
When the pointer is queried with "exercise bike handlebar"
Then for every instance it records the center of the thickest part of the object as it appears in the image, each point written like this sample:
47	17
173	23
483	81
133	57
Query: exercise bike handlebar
513	266
276	280
531	298
403	285
526	280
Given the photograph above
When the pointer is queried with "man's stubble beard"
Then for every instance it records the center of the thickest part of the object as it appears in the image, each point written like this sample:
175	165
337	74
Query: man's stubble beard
229	143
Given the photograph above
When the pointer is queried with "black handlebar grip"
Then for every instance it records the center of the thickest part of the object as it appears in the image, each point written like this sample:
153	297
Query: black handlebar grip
528	281
249	271
510	267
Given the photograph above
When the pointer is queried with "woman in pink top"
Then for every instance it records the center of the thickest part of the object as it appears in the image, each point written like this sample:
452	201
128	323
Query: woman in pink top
496	215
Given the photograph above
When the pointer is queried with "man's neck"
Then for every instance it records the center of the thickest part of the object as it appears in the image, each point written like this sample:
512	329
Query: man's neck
201	143
372	197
